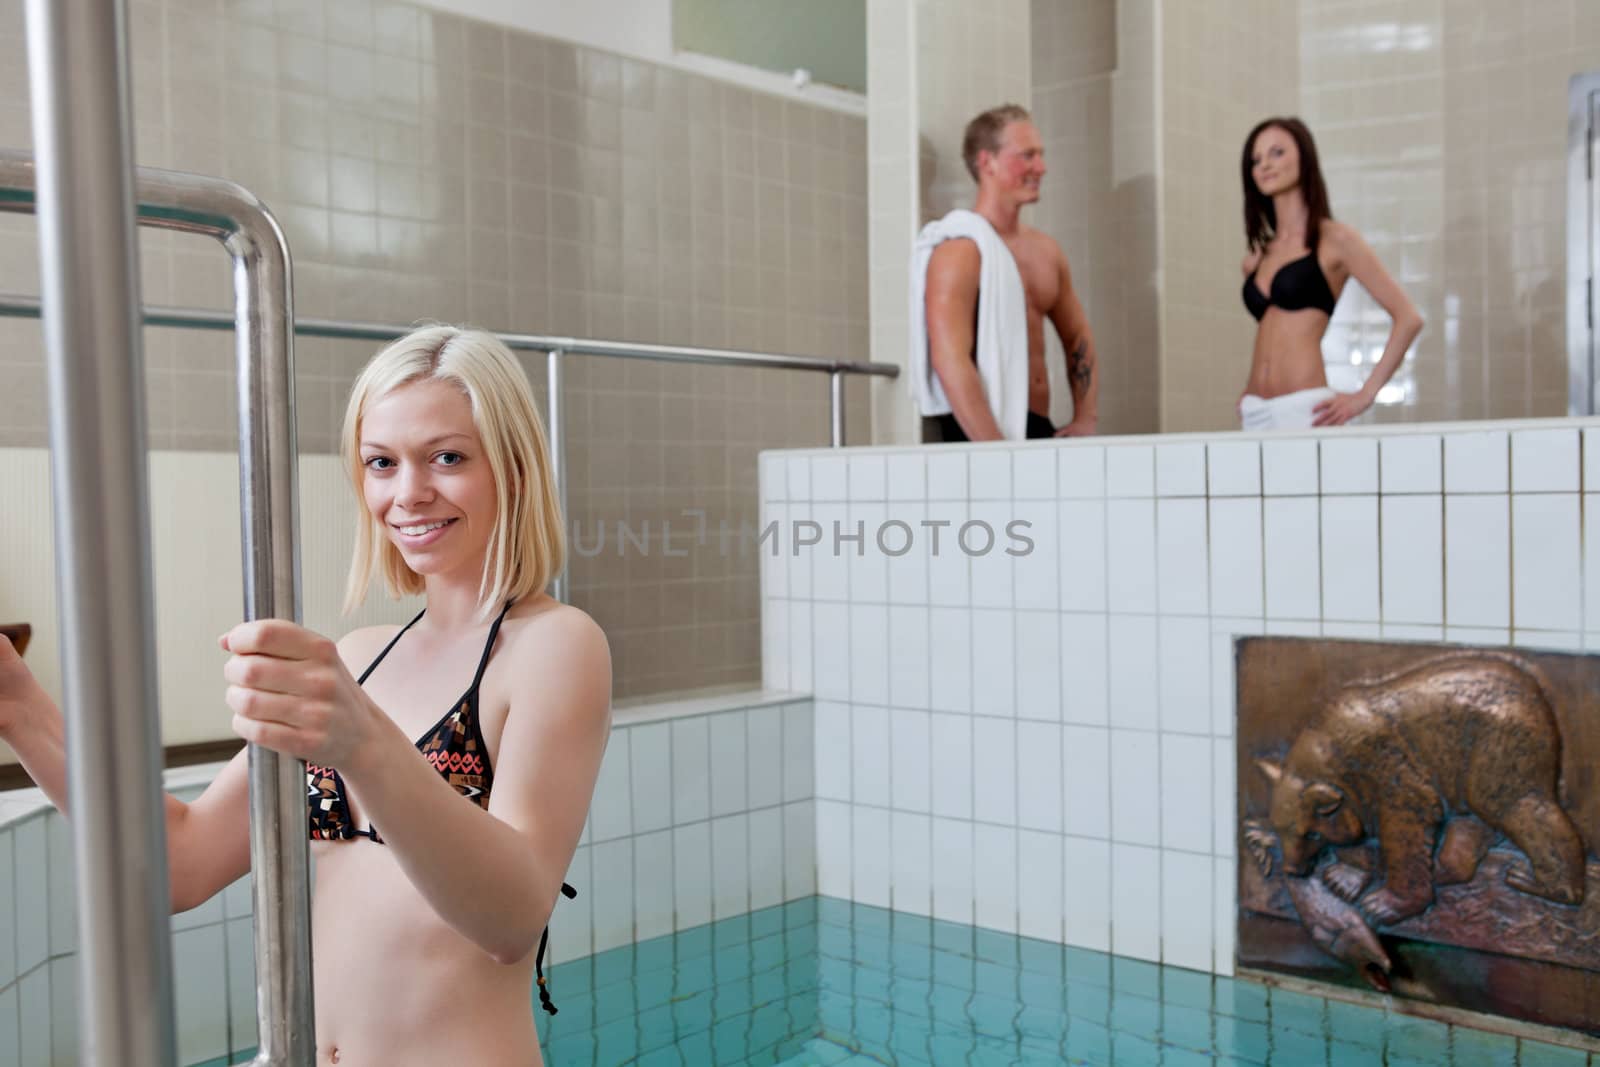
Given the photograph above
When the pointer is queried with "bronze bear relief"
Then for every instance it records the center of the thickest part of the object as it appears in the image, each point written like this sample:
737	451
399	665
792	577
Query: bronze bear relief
1467	745
1424	794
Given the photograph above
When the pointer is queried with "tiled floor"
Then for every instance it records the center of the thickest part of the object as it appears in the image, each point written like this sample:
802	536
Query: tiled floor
823	983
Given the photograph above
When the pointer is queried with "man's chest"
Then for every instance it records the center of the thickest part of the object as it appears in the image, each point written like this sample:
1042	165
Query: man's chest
1040	282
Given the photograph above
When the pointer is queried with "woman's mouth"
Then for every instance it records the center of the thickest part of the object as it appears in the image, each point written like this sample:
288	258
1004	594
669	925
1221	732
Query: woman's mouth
422	533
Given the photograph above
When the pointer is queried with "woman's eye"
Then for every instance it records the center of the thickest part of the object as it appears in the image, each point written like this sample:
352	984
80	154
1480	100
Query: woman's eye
450	459
379	463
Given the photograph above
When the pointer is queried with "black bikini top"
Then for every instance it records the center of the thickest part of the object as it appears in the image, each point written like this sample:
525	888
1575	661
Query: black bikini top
1297	285
455	747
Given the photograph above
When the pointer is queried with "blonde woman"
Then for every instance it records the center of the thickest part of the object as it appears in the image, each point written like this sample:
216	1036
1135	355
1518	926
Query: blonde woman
452	760
1297	263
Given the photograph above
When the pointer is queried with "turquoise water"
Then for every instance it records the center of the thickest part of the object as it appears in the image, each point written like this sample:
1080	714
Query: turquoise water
822	981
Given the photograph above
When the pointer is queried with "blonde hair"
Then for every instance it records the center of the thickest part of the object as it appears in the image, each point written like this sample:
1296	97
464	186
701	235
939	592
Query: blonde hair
983	133
528	546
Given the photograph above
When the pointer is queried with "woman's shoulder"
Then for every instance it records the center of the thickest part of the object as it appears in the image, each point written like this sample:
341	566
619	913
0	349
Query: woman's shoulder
363	645
1252	260
1339	236
544	629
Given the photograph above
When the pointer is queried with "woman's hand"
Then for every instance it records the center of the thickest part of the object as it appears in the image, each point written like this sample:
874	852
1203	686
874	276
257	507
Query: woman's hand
1340	408
18	688
291	692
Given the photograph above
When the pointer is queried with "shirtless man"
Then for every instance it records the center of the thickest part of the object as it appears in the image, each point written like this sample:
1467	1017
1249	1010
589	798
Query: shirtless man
1004	155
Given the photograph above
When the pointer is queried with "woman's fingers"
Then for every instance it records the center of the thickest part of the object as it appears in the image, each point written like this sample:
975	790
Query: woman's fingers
307	678
265	707
277	637
276	736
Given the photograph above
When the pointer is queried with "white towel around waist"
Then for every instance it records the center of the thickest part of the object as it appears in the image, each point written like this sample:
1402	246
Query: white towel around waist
1291	411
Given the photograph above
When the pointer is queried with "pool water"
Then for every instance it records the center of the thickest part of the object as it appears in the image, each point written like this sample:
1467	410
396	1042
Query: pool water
822	981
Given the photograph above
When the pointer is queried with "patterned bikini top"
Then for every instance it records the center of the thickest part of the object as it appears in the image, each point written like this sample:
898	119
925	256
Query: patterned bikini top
454	746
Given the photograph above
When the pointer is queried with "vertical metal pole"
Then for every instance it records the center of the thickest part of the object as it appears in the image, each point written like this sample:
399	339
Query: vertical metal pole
557	430
89	273
836	395
268	462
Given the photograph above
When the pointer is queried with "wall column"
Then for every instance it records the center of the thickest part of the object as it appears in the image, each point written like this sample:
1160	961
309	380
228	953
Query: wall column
931	66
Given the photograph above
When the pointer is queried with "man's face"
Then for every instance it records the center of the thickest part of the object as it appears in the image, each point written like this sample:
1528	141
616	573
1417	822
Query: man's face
1018	165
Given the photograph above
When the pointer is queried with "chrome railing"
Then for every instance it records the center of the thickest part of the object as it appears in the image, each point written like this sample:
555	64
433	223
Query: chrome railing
88	196
556	348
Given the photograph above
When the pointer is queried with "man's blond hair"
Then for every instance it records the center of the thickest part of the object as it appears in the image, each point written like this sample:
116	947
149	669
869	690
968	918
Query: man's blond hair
984	133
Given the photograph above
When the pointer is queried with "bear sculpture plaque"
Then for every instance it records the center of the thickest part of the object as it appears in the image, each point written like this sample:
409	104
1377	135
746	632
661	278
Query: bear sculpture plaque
1423	820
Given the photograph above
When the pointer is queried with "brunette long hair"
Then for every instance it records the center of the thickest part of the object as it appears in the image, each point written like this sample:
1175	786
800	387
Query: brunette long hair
1260	217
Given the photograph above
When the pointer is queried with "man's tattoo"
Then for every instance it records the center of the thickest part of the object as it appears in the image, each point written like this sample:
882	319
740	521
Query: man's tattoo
1080	372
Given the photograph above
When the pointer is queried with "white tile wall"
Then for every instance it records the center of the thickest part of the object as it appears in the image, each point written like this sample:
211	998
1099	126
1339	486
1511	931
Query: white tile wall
1291	534
1235	468
1131	554
911	862
1079	748
1181	557
1545	461
1289	468
1236	574
1350	560
1477	462
1477	539
1181	469
8	920
1545	546
1410	464
1413	559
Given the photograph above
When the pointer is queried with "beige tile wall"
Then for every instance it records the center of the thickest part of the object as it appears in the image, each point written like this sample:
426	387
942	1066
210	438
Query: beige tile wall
1094	104
969	57
1443	132
1223	67
892	191
429	166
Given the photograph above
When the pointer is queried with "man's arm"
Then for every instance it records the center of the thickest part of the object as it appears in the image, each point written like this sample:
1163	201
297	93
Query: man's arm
952	309
1083	363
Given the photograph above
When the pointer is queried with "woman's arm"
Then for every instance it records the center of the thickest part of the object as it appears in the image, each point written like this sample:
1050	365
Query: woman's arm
208	840
492	875
1365	268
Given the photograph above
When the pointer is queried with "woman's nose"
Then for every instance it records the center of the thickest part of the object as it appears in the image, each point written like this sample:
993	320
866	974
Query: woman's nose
412	485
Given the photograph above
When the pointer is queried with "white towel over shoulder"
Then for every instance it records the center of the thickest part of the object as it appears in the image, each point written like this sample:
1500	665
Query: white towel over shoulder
1002	338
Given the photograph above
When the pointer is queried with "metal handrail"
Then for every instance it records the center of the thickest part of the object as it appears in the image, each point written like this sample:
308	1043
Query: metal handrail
15	305
88	268
126	1001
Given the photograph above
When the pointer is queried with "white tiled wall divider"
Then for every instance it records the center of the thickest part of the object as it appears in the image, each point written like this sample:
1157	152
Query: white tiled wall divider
1052	750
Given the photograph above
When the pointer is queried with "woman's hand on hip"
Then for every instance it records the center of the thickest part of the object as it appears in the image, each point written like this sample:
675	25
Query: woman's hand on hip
291	692
1340	409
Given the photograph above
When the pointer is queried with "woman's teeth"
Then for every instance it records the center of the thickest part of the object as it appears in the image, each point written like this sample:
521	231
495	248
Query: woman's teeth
417	531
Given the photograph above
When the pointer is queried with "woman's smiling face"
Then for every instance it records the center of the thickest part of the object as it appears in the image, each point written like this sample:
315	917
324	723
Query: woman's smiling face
427	479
